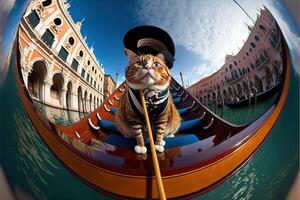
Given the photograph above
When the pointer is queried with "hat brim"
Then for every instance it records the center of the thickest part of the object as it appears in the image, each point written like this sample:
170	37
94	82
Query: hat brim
133	36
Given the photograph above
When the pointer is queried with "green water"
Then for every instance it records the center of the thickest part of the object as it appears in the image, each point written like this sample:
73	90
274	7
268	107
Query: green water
246	114
32	170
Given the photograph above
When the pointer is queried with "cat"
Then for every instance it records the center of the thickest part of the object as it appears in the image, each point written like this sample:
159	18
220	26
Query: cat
150	74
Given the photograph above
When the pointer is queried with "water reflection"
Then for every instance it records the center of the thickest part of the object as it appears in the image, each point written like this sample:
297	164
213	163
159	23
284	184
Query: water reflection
60	116
33	158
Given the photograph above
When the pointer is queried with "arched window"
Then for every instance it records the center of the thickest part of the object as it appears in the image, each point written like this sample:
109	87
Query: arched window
252	45
256	38
250	49
262	27
235	63
33	19
48	38
88	62
63	54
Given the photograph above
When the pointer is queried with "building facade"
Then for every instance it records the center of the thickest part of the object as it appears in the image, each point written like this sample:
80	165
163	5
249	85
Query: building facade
59	69
109	85
256	68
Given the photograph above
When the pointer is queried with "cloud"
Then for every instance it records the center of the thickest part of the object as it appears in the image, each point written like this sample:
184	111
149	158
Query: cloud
5	8
209	29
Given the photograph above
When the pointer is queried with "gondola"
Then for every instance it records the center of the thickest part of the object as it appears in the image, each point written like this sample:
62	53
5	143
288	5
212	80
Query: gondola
253	100
204	153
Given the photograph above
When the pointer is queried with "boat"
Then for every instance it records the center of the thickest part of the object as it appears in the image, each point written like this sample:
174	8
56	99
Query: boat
206	151
254	99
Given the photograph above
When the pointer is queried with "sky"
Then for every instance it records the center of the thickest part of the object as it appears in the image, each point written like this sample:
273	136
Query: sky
204	32
10	14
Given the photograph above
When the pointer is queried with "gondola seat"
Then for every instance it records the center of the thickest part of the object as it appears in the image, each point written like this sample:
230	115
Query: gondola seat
185	125
130	143
181	111
113	110
174	95
190	124
176	100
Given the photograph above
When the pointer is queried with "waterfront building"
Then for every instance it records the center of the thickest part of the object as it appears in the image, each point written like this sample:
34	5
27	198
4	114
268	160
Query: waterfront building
255	69
109	85
59	69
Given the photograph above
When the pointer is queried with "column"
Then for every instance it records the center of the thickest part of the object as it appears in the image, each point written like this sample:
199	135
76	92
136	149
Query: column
74	99
63	97
47	85
26	73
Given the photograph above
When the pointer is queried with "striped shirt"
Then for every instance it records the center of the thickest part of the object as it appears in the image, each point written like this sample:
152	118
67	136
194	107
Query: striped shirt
156	102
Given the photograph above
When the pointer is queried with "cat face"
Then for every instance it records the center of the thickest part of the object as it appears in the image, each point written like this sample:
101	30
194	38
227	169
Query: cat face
147	71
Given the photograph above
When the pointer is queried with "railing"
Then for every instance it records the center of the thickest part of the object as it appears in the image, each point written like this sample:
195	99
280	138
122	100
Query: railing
263	58
275	39
234	79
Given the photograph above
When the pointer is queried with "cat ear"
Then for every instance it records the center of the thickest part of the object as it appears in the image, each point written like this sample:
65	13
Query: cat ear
161	56
130	54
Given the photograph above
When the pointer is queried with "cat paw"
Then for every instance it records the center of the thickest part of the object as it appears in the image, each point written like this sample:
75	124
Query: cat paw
159	148
170	136
139	149
162	143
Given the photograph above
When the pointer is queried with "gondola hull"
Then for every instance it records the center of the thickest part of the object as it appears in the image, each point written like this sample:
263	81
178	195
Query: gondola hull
186	170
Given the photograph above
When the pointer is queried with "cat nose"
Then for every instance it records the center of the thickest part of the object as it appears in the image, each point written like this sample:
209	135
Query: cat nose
148	67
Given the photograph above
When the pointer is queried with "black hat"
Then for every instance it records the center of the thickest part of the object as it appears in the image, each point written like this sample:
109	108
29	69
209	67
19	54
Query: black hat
150	40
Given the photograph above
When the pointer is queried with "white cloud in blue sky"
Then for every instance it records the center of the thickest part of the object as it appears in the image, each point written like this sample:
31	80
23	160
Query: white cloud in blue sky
204	31
209	29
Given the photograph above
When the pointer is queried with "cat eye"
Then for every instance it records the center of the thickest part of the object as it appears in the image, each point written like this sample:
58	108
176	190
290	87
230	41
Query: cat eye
156	64
140	63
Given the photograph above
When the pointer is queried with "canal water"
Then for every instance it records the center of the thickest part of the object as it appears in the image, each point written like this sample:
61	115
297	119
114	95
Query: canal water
237	116
60	116
33	171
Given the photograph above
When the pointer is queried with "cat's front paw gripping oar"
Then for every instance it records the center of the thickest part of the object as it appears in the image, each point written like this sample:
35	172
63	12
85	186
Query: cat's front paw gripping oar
159	182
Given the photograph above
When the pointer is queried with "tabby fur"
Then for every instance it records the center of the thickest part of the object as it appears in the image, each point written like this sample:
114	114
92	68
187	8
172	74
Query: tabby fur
147	73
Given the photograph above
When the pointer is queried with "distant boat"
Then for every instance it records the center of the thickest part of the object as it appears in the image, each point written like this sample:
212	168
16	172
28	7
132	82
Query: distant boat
206	151
254	99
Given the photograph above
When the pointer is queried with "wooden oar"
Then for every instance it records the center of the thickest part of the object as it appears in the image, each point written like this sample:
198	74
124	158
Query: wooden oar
159	182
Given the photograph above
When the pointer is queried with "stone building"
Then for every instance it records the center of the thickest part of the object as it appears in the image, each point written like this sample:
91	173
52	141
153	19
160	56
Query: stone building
59	69
257	67
109	85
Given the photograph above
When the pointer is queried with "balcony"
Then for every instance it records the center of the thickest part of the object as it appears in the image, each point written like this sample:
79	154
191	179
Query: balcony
274	39
262	60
